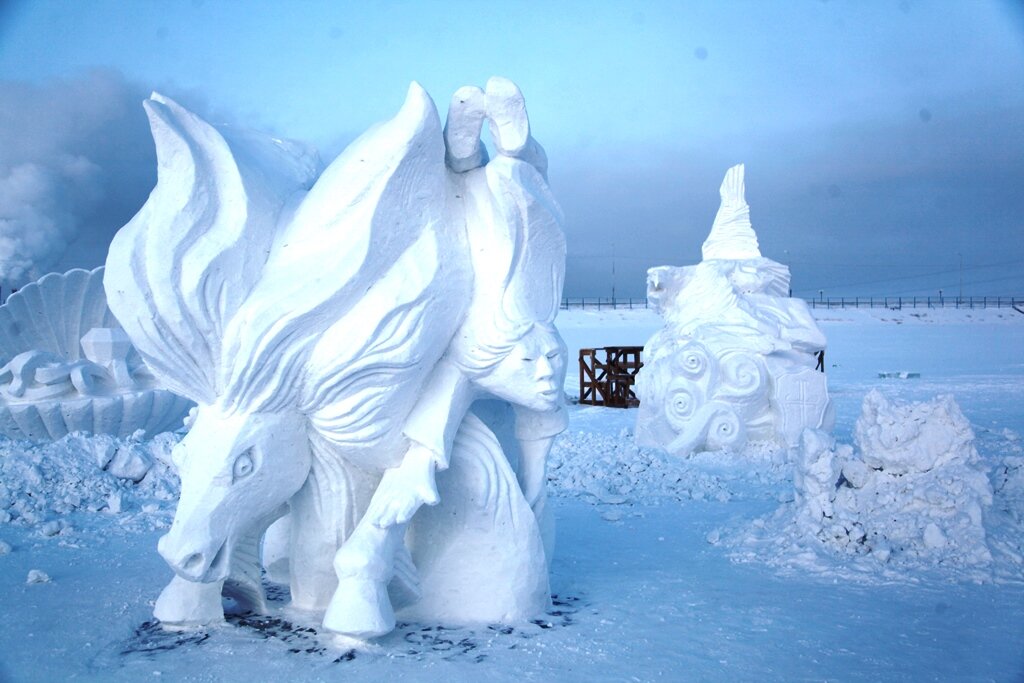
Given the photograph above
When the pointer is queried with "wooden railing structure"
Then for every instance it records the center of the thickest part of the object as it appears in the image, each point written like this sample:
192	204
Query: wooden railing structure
607	376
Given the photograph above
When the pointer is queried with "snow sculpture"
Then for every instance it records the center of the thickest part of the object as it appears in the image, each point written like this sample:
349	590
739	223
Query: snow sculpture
735	361
335	332
67	366
913	490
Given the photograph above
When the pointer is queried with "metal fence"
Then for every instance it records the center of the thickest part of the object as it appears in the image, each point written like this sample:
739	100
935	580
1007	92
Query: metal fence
601	302
892	302
900	302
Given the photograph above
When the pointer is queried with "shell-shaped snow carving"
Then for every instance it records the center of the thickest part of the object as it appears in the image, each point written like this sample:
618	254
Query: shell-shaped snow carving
54	314
67	366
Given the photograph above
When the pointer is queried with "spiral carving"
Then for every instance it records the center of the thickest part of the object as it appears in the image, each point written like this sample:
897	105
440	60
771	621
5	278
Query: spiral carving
724	429
712	426
682	400
741	376
692	360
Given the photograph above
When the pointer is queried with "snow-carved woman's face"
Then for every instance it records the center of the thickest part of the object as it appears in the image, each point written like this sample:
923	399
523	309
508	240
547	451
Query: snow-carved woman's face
533	373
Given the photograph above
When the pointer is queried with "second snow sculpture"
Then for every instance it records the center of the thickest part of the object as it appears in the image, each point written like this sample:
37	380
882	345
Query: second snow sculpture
735	361
335	332
67	366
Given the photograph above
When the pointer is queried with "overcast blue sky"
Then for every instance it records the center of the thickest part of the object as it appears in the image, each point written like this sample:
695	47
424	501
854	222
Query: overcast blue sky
884	139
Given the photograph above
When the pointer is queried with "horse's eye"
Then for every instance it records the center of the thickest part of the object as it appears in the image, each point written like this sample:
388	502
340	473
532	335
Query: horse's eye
244	465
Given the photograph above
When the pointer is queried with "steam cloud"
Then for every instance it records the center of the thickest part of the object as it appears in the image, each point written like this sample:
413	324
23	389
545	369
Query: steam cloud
76	162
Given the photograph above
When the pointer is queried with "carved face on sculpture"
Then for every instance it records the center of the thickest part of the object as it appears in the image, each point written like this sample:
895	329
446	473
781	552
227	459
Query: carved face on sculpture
532	374
664	283
235	470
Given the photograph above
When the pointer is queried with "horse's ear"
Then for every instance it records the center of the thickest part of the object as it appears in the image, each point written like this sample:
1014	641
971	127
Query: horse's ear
181	268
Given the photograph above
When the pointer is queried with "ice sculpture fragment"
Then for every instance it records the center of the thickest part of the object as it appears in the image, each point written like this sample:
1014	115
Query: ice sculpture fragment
735	361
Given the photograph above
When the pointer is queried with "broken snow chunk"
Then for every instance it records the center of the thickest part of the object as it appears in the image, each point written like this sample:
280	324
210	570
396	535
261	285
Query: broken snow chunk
51	528
856	473
37	576
933	536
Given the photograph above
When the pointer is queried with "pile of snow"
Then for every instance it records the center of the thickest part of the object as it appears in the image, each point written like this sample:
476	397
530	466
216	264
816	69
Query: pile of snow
912	495
606	468
610	469
42	485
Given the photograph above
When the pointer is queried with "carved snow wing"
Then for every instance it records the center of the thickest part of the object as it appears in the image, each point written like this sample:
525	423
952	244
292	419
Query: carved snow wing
732	236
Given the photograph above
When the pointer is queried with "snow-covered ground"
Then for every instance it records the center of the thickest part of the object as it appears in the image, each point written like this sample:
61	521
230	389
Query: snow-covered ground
666	569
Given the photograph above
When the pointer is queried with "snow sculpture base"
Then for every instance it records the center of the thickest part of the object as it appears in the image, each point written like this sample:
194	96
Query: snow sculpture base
69	367
736	359
479	552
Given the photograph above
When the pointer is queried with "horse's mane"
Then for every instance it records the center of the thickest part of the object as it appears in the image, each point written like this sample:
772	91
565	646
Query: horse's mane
229	274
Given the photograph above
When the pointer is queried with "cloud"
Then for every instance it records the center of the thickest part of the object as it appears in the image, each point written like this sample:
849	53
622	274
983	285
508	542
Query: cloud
76	162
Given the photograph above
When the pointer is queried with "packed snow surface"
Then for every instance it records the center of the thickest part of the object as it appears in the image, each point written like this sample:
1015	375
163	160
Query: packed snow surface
891	551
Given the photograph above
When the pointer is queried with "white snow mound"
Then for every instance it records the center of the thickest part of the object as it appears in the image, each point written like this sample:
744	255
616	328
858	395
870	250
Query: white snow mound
914	490
911	495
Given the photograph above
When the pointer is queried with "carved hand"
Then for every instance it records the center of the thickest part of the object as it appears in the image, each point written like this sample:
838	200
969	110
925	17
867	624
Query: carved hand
404	489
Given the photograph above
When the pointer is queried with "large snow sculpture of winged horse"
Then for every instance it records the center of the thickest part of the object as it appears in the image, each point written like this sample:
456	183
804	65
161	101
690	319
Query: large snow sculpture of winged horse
336	329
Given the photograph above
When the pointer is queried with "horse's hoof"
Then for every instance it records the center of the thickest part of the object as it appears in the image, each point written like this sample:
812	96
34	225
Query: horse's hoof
184	604
360	609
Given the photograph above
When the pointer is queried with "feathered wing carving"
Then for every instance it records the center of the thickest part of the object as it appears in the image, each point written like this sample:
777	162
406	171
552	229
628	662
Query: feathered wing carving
183	266
366	210
732	236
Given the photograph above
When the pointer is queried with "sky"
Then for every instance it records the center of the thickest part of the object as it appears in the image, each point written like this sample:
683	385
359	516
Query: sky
883	139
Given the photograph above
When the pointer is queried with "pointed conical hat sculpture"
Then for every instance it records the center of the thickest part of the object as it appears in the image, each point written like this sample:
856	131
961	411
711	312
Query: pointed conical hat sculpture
732	236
